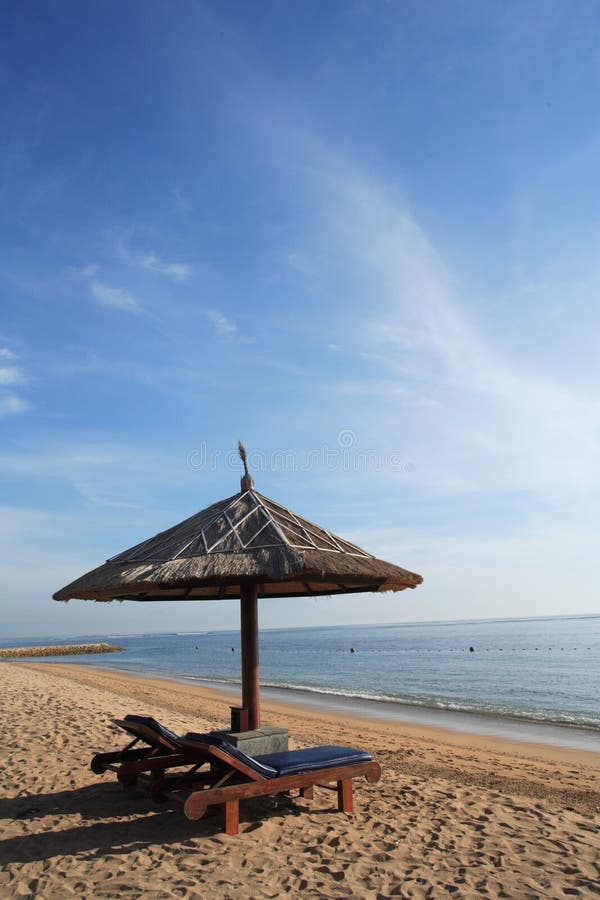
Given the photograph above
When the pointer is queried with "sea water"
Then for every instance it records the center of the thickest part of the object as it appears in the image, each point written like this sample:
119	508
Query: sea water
542	670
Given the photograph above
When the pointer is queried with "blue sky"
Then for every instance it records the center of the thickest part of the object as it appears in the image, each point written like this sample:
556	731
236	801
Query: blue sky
362	236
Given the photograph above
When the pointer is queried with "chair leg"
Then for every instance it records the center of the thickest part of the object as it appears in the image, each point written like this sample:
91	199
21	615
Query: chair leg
232	816
344	790
307	792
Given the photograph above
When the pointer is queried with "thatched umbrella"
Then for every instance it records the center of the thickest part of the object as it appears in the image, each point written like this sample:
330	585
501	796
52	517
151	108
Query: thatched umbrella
245	547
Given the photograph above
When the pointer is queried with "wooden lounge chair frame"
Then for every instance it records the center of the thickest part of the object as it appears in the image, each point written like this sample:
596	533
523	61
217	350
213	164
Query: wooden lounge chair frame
240	780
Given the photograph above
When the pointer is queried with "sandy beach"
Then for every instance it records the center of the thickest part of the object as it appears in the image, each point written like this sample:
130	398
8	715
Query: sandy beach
454	814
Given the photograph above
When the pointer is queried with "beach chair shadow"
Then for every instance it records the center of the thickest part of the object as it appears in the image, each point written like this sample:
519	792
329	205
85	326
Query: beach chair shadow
115	820
97	838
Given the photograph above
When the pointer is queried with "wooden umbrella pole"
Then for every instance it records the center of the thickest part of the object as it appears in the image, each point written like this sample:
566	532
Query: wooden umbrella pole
250	670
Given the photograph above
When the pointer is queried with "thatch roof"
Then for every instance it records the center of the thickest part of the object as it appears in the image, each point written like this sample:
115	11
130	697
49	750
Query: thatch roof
245	539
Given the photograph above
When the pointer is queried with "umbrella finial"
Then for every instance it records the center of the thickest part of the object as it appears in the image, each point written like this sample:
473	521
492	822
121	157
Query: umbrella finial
247	479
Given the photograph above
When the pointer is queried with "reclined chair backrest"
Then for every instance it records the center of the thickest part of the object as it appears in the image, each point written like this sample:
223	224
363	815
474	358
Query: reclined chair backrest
148	729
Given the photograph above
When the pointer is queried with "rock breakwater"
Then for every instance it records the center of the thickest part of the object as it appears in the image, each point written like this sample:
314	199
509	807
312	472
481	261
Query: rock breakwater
56	650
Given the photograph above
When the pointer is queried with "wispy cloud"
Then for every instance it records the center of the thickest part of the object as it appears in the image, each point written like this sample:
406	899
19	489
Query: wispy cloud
151	261
76	460
104	293
10	403
11	375
222	325
91	493
489	419
514	426
114	297
104	473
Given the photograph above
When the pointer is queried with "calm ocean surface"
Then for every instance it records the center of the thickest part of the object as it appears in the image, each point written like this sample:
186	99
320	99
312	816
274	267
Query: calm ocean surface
535	671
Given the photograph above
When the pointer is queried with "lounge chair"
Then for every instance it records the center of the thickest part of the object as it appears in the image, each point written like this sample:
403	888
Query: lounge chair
155	743
160	750
237	776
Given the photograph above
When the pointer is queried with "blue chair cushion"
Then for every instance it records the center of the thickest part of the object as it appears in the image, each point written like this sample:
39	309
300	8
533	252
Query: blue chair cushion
288	762
313	759
153	725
